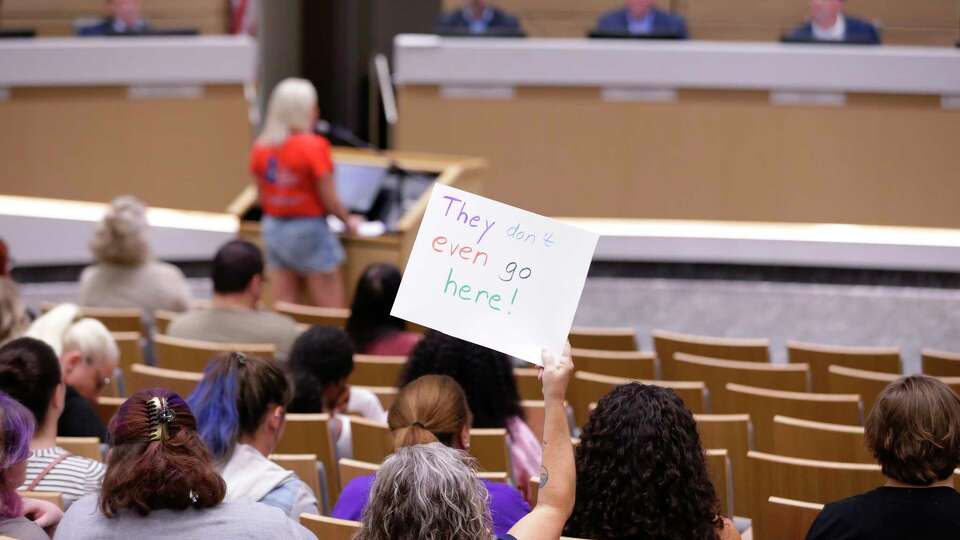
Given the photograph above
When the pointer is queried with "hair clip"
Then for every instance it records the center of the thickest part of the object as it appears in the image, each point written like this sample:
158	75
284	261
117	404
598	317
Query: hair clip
240	358
418	424
160	416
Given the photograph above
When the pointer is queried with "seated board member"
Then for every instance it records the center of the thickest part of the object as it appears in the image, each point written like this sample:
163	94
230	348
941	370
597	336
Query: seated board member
477	17
124	19
642	18
828	23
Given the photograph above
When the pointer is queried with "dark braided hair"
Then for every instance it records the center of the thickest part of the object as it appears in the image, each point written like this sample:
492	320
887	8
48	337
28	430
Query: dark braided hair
641	472
485	375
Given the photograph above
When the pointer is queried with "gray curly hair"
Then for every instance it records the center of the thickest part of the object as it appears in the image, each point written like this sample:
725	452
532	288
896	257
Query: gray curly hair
427	491
120	238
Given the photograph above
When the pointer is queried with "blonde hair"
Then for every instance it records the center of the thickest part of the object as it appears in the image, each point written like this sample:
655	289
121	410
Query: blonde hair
120	237
13	318
430	409
291	107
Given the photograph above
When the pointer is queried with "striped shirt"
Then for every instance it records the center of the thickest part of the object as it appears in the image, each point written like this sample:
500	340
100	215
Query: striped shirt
73	477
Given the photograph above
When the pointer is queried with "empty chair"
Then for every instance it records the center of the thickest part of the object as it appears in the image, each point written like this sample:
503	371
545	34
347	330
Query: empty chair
489	446
716	373
763	404
330	528
868	384
305	467
107	407
589	388
627	364
744	349
607	339
805	480
131	351
313	315
88	447
193	355
941	363
528	383
820	357
372	441
115	319
793	518
143	377
310	434
721	474
534	412
734	433
795	437
370	370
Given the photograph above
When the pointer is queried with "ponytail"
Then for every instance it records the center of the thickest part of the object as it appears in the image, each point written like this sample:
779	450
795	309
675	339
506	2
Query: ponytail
214	404
430	409
412	435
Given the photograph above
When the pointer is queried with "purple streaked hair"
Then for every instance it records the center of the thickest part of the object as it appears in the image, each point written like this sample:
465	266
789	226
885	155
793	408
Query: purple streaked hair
18	426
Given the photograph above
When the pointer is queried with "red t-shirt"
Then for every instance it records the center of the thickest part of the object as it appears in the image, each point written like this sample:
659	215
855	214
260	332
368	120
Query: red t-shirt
287	175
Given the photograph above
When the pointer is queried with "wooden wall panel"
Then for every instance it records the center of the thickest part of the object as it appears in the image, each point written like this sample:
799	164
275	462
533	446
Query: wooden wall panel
56	17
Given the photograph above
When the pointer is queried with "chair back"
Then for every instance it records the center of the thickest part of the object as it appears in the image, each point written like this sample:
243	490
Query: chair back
130	346
940	363
608	339
351	469
88	447
535	413
181	382
375	370
821	357
734	433
528	383
588	388
793	518
721	475
313	315
310	434
763	404
162	319
372	441
193	355
869	384
667	344
107	406
805	480
716	373
305	467
489	446
626	364
795	437
329	528
115	319
54	497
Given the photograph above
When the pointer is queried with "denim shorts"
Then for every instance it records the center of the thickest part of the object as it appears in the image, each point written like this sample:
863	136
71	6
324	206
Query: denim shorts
304	245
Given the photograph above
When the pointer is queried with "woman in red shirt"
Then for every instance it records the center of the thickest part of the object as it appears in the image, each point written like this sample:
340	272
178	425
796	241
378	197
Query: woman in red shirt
294	173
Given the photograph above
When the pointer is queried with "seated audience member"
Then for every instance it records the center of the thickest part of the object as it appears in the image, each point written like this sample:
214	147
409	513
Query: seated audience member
432	490
433	409
14	320
486	377
240	405
828	23
477	17
124	19
162	484
30	373
371	327
88	358
125	275
20	518
642	17
233	316
321	360
644	441
914	432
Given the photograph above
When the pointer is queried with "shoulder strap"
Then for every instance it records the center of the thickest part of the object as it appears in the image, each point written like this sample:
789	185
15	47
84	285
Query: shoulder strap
43	474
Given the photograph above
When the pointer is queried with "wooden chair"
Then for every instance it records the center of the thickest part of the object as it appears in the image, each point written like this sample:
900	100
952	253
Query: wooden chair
627	364
193	355
489	446
716	373
498	477
351	469
372	441
795	437
721	475
734	432
588	388
107	406
54	497
386	394
372	370
88	447
941	363
606	339
533	489
744	349
528	383
868	384
329	528
793	518
820	357
310	434
305	467
181	382
763	404
162	319
130	346
314	315
535	411
805	480
115	319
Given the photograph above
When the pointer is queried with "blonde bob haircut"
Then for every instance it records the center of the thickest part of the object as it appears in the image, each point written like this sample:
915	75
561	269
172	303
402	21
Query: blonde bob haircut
291	107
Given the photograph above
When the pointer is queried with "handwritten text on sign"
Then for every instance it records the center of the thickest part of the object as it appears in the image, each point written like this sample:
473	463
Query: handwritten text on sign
494	275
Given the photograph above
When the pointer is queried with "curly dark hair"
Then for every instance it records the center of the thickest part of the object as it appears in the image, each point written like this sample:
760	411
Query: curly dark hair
485	375
641	472
320	358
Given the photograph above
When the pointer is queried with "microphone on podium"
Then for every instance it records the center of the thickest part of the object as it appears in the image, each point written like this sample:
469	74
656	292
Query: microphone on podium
340	133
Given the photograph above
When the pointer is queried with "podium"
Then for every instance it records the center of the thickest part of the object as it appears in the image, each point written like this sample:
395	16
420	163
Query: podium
462	172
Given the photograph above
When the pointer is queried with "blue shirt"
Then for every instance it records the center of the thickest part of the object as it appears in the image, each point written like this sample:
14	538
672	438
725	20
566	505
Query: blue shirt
640	26
478	26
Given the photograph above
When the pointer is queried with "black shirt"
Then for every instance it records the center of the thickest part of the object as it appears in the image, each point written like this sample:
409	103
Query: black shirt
79	419
890	513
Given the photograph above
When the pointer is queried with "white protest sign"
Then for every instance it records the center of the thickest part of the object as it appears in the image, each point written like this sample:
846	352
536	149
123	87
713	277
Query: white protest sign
494	275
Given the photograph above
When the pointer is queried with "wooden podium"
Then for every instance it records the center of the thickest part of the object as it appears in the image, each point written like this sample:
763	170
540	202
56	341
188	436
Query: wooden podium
458	171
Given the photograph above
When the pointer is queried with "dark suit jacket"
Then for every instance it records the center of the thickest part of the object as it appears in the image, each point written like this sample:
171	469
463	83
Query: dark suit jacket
455	20
105	28
79	418
663	23
858	31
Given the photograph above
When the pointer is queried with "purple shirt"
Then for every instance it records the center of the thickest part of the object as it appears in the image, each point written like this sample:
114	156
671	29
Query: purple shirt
507	506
